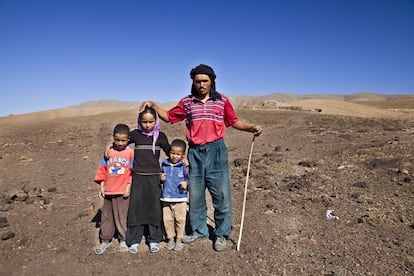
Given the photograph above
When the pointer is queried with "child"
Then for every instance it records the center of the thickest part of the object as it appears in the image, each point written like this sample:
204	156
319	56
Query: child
145	207
174	195
114	177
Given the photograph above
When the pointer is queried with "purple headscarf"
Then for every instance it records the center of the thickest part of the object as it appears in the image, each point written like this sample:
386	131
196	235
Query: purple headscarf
154	132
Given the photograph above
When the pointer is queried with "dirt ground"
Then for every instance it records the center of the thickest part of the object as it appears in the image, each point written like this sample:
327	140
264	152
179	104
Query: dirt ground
303	165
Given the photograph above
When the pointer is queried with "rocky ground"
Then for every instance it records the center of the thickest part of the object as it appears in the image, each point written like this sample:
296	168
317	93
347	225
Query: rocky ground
303	165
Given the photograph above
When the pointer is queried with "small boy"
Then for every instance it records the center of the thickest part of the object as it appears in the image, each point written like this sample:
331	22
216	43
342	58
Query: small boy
115	177
174	195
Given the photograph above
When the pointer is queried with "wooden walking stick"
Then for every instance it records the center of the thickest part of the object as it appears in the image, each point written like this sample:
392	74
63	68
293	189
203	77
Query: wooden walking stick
245	194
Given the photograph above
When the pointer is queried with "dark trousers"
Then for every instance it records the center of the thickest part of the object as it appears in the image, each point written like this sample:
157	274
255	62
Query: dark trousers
135	233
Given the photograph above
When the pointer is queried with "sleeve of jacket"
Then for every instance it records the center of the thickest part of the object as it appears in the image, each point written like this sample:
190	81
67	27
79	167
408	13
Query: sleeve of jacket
164	143
101	172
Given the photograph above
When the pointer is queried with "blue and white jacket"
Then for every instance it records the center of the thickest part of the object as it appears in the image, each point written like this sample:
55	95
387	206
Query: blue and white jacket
175	173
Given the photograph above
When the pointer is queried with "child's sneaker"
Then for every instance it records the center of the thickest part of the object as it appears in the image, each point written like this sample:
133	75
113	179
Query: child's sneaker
133	248
170	245
122	247
178	246
153	246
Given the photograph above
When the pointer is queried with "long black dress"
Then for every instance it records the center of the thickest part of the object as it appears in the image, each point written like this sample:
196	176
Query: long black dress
145	206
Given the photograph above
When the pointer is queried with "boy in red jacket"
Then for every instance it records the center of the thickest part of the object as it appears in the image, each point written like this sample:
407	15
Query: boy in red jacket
114	177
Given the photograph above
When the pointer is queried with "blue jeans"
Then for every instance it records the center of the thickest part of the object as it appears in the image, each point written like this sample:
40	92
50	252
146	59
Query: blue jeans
209	168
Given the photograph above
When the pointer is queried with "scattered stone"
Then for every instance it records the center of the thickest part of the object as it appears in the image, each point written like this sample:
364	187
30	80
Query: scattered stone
407	179
29	195
245	172
44	200
376	222
34	192
11	195
308	163
278	148
4	224
7	236
404	171
361	184
27	189
5	207
356	196
25	159
273	160
410	260
239	162
21	196
52	189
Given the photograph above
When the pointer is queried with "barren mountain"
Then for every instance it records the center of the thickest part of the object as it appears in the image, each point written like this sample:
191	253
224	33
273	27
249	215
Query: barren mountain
331	192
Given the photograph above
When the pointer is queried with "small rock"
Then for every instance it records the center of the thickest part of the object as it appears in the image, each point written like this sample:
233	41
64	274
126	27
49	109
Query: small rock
308	163
52	189
21	196
33	193
245	172
7	236
361	184
5	207
25	159
11	195
44	200
239	162
27	189
407	179
278	148
404	171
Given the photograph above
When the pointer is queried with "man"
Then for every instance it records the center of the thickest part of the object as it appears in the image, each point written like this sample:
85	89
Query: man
207	113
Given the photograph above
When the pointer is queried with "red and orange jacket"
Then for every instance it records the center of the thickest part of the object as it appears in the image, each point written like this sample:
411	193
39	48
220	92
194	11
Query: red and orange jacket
116	171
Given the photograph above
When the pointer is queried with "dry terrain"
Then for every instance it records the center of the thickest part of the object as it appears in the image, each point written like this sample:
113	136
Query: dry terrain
353	157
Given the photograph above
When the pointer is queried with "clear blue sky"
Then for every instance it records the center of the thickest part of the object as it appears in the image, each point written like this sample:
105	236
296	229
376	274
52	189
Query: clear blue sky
57	53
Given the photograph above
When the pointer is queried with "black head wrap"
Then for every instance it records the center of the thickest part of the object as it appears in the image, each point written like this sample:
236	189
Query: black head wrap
205	70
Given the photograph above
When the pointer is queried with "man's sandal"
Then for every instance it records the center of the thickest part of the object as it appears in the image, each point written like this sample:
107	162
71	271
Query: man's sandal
100	249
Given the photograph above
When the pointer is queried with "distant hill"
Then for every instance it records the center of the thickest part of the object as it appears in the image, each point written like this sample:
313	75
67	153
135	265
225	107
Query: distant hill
270	101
